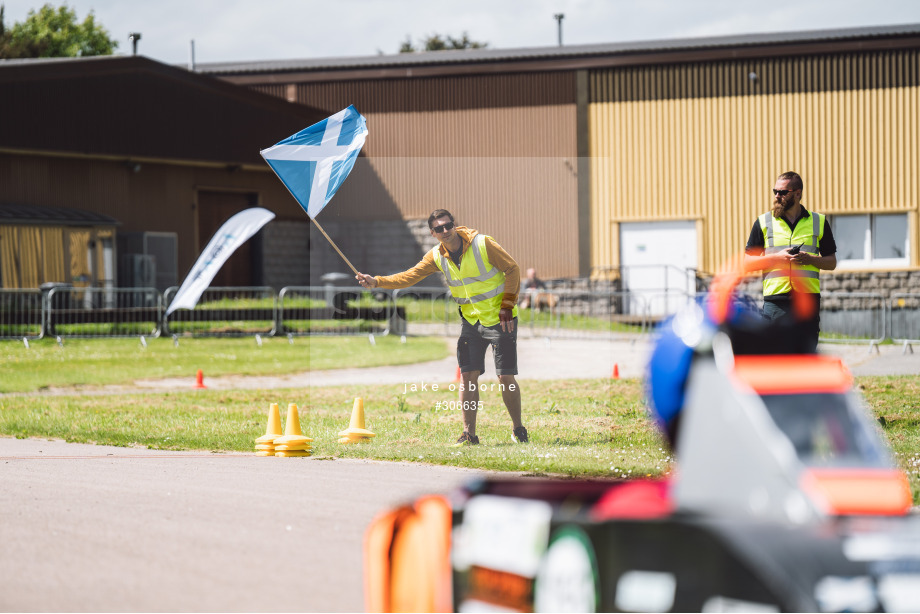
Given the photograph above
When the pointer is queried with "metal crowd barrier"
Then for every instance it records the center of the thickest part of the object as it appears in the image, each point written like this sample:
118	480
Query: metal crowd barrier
853	318
904	320
340	310
336	310
559	313
572	313
427	310
225	312
102	312
21	314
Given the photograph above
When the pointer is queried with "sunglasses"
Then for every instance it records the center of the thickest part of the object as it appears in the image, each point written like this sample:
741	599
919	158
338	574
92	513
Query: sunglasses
782	192
444	228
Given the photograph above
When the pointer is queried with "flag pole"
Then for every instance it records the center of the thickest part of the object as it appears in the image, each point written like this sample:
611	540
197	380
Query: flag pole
313	219
336	247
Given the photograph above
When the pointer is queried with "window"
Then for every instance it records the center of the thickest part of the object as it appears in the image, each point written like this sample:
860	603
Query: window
826	429
871	241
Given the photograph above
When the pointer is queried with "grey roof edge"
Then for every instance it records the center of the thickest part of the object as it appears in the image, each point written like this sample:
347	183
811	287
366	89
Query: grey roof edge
41	215
64	60
126	63
486	55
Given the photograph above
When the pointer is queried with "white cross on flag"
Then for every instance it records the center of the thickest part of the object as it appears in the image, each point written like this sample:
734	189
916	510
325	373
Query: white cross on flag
313	163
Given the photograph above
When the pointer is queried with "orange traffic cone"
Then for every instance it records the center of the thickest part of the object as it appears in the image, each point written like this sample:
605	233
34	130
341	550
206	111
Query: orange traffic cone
199	380
457	377
616	371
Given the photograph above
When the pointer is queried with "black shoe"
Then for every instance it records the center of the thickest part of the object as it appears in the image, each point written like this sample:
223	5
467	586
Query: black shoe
467	440
519	435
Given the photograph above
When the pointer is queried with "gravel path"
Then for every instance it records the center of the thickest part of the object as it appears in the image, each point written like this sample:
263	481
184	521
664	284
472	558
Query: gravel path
538	358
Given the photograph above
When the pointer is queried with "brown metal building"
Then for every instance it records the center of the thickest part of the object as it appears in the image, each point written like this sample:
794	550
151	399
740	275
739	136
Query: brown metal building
497	148
104	160
585	159
581	160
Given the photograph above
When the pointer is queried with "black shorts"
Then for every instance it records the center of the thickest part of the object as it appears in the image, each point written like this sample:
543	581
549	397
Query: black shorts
475	338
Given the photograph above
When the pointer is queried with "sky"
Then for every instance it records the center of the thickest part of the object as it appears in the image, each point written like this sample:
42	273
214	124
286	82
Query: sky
255	30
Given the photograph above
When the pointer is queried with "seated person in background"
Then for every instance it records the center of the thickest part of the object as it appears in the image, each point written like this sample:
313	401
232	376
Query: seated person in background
530	292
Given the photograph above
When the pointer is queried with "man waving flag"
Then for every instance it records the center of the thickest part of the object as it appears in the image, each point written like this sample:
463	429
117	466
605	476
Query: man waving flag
313	163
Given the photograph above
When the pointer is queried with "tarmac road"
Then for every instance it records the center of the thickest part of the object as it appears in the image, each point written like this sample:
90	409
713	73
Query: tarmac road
93	528
102	529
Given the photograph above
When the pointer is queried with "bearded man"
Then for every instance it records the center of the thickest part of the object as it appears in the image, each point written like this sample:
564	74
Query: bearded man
790	245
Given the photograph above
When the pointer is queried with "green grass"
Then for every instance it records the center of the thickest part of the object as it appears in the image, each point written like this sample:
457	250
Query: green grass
589	427
895	401
578	427
97	362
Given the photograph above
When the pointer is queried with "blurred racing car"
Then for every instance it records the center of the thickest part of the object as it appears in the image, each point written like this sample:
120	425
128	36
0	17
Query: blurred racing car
785	498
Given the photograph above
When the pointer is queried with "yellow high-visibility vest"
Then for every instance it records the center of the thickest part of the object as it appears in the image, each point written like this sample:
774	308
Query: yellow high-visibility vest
476	284
777	236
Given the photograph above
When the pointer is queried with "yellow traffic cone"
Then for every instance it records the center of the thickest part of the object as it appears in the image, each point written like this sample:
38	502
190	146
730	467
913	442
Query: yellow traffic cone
273	429
265	444
356	431
293	442
357	414
292	453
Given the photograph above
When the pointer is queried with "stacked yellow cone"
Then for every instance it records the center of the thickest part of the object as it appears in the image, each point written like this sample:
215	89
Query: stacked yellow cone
293	442
356	432
265	445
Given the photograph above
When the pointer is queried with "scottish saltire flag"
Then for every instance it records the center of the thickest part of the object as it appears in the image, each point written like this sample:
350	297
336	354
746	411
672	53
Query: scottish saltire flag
313	163
233	233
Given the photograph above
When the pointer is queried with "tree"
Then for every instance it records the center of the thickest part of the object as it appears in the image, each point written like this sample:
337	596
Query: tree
4	35
54	33
436	42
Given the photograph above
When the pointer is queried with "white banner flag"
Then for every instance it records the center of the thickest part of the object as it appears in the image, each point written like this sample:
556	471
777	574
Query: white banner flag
225	241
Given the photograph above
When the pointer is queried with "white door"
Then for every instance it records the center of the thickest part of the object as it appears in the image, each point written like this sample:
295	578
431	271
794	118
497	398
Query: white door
658	262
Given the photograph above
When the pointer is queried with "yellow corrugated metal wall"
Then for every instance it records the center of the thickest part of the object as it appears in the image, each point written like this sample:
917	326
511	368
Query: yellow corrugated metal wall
706	141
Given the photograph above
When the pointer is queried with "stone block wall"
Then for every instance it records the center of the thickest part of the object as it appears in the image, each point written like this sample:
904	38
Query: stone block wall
286	254
375	248
858	303
295	253
884	283
864	304
837	284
